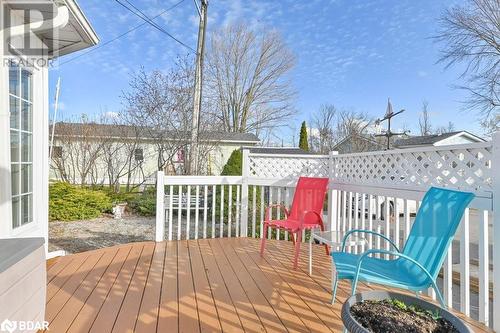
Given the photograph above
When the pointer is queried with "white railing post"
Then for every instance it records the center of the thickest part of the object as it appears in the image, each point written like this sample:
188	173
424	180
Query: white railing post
160	206
332	194
245	167
495	164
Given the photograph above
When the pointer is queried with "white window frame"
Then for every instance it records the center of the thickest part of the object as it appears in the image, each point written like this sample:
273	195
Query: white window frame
20	131
39	225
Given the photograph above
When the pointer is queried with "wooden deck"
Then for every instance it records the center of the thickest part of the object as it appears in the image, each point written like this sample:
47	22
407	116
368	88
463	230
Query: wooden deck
193	286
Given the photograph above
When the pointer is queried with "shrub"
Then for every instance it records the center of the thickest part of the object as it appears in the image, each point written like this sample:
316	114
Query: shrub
233	164
119	197
144	203
69	202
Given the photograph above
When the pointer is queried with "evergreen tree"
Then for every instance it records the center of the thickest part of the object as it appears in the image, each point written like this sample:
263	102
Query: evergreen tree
233	164
303	142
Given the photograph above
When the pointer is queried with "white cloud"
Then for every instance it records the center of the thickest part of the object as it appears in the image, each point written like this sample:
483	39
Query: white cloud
61	106
111	115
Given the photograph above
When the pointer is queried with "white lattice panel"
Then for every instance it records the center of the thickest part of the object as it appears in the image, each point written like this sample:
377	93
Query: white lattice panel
465	167
281	167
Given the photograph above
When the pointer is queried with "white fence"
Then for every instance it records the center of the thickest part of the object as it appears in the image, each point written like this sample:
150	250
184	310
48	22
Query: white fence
379	191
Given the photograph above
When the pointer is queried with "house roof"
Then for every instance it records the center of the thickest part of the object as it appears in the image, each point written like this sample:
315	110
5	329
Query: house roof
280	150
125	131
366	138
78	25
69	30
428	140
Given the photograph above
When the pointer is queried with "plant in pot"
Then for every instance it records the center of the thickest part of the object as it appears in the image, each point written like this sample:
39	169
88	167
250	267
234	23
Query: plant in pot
391	312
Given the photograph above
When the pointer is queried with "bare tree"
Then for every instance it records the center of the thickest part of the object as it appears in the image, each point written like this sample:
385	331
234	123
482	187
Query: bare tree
446	129
424	121
470	34
491	125
246	78
331	126
323	124
160	106
80	149
351	123
120	147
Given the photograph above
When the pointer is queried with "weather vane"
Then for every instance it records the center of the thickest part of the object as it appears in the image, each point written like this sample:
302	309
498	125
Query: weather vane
388	116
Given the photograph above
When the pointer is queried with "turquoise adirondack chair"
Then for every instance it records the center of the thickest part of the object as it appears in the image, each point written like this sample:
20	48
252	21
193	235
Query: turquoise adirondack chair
417	266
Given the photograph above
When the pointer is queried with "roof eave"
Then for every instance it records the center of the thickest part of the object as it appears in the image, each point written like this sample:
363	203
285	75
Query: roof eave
83	21
87	35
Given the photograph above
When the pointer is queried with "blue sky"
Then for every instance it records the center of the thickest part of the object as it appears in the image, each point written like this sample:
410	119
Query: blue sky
352	53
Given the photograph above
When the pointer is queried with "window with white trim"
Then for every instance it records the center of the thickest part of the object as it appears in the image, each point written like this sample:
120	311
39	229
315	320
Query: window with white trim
21	144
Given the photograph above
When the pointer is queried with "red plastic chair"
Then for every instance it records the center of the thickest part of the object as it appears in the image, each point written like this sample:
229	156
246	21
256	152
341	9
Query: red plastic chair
305	213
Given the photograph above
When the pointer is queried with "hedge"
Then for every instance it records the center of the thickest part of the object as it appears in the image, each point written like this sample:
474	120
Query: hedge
144	203
68	202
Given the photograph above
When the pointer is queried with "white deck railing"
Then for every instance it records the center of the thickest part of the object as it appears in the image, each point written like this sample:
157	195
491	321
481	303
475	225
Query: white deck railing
387	186
204	207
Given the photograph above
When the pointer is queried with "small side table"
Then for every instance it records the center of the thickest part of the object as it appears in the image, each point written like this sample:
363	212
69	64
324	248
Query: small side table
333	239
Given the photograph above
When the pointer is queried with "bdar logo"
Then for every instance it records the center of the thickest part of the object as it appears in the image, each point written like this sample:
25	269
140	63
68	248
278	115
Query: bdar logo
8	326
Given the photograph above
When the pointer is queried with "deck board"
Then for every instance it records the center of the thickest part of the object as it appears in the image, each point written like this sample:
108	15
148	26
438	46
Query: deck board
106	317
87	314
317	298
188	309
206	285
148	311
207	312
230	318
60	321
129	311
246	294
168	313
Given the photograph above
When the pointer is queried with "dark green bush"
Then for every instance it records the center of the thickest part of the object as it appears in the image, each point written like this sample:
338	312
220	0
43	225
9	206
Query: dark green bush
144	203
69	202
233	164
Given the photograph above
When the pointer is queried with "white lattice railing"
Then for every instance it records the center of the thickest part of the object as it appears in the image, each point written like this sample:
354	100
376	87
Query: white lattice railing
266	168
387	186
462	167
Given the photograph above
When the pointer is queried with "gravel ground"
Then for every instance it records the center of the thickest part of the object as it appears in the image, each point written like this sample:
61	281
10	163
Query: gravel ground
85	235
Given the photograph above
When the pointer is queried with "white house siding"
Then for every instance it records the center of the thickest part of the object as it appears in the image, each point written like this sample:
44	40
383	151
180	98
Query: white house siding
219	155
455	140
23	283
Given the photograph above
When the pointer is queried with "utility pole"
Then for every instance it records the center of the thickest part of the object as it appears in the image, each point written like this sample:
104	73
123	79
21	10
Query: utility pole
388	116
198	80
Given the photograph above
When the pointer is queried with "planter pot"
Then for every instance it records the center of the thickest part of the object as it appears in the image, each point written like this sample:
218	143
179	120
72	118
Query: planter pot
354	327
119	210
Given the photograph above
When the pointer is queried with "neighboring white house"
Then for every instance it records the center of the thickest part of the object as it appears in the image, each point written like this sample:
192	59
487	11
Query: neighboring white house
24	109
129	155
445	139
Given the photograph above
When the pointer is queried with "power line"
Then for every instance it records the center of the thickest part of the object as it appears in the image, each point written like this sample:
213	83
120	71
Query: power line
197	7
122	35
144	17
